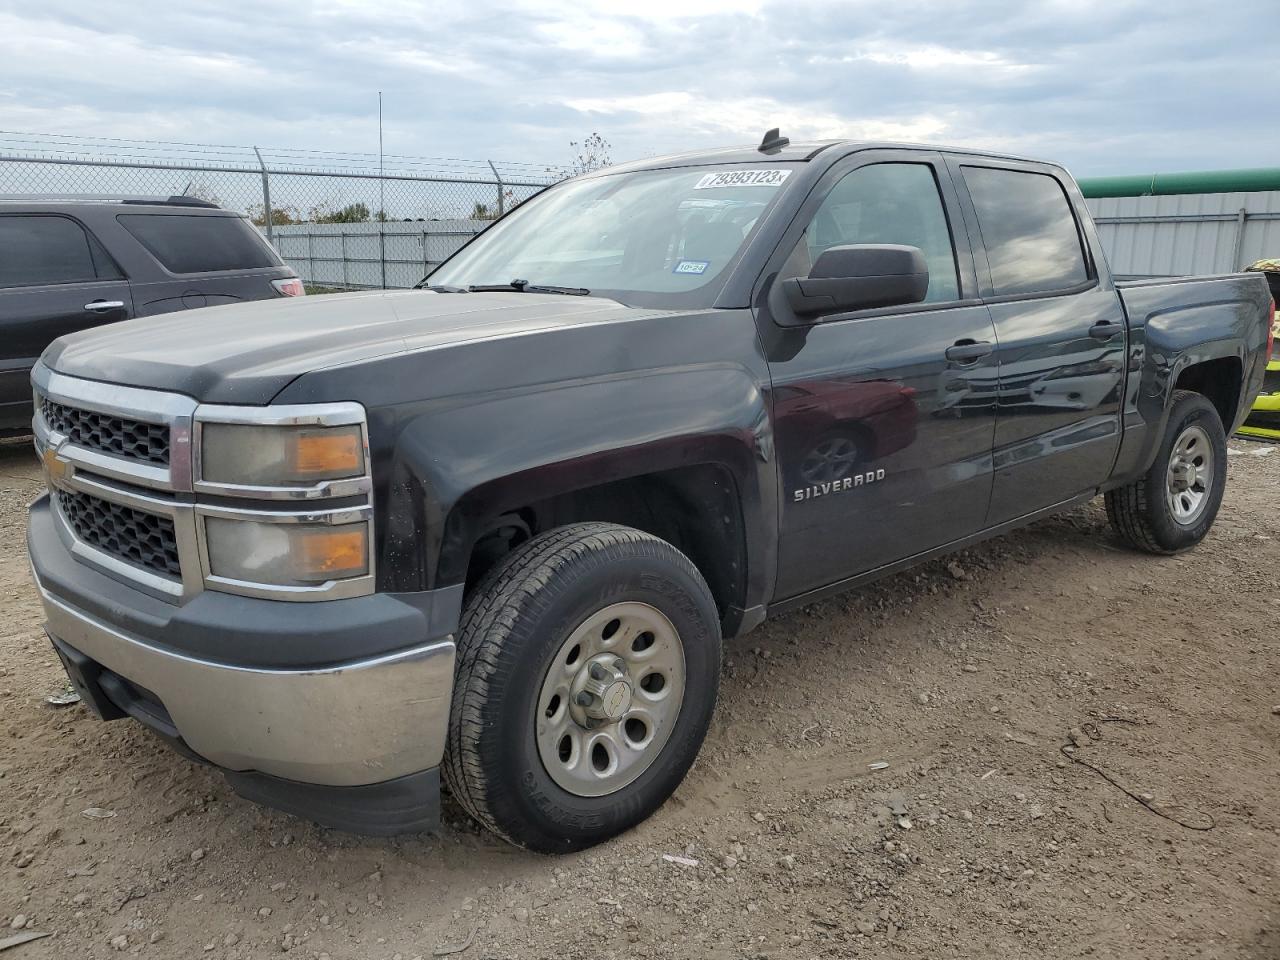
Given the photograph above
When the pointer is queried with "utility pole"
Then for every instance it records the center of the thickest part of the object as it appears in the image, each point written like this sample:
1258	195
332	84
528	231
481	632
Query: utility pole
382	201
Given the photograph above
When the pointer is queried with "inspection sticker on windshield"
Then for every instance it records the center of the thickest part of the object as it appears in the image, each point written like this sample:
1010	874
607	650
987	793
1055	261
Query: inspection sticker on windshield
743	178
692	266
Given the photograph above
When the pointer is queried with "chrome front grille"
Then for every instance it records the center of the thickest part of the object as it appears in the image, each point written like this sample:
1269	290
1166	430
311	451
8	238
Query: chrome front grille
112	435
139	538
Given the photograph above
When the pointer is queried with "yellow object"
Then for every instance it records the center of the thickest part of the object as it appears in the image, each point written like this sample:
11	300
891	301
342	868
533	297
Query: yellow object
1263	422
330	554
327	453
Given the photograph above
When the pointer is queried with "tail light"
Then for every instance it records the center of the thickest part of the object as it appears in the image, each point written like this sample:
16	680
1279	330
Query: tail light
289	288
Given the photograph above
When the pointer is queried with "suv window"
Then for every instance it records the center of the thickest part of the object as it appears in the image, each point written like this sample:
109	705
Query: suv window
200	244
49	249
884	203
1031	236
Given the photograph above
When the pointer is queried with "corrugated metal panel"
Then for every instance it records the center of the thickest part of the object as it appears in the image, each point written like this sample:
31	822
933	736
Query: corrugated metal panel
1188	233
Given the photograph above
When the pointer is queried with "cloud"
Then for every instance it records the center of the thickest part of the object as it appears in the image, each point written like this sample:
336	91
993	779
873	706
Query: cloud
1102	86
731	116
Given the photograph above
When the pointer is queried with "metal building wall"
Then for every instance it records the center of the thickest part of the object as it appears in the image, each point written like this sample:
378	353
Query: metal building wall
1187	234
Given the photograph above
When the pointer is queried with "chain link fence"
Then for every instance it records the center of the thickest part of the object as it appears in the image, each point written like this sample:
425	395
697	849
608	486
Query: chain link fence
343	220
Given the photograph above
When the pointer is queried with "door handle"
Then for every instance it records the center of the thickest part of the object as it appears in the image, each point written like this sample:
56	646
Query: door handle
967	351
102	306
1104	330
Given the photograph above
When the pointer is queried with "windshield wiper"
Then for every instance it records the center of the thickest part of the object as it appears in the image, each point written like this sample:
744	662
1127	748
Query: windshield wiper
440	288
524	286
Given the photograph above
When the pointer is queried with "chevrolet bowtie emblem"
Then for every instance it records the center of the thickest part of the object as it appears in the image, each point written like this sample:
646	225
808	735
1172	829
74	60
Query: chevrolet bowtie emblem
54	465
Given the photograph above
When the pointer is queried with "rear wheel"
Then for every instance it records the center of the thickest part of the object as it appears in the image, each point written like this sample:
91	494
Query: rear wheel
1173	506
588	666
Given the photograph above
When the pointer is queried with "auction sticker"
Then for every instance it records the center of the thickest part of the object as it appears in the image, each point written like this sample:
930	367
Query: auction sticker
743	178
692	266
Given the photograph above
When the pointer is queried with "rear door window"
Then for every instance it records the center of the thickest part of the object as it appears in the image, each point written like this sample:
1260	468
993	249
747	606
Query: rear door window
200	244
42	250
1031	236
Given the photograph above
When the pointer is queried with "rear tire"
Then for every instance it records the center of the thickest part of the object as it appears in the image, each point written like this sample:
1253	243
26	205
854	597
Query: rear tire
1172	507
588	668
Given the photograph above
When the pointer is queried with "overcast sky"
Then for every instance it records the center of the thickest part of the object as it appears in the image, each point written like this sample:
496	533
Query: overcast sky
1107	87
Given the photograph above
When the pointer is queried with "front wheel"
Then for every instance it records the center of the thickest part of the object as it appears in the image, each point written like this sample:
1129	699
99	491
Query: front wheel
588	667
1172	507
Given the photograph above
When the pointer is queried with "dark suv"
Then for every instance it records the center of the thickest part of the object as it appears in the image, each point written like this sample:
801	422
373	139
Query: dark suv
71	263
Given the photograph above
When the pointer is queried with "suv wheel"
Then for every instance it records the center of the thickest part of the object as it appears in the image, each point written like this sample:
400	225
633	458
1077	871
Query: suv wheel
588	666
1173	506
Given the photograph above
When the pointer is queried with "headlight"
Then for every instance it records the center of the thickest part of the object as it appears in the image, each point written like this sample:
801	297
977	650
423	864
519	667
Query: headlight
286	554
280	456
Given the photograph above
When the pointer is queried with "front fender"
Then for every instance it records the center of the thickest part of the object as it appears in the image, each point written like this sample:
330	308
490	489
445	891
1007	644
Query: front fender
494	454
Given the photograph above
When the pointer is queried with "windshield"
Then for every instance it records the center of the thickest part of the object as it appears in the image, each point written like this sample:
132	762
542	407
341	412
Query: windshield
663	238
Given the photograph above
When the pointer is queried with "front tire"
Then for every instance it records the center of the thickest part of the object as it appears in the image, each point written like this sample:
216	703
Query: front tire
1172	507
588	668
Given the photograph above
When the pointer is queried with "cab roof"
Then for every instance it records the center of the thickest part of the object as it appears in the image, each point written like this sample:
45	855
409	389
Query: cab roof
802	150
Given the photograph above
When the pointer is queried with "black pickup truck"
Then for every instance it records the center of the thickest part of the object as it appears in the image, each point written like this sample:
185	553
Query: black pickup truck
498	527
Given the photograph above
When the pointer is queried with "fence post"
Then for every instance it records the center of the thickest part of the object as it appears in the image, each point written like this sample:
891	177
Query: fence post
1241	220
266	197
501	200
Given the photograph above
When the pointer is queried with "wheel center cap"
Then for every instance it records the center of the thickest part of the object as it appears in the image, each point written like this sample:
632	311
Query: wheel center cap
1180	476
602	691
616	700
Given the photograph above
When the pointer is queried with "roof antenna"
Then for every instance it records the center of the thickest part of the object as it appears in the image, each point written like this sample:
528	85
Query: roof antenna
773	142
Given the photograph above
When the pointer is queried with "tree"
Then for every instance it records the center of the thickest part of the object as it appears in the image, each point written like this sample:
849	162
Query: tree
589	154
592	154
351	213
280	216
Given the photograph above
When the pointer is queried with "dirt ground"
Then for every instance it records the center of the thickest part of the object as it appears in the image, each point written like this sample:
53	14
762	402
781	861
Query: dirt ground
1016	693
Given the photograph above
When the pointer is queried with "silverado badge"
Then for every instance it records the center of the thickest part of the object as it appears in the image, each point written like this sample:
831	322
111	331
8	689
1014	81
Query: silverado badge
837	486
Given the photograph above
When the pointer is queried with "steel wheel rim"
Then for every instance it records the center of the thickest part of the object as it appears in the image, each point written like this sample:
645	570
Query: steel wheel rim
1189	479
601	719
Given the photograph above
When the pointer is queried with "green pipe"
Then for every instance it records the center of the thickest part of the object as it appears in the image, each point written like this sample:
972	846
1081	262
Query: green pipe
1168	184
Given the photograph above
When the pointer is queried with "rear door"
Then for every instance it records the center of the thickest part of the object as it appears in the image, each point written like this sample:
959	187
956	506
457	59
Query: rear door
55	278
1060	330
883	419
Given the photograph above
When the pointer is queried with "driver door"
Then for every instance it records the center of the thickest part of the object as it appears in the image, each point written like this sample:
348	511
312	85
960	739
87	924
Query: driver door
883	419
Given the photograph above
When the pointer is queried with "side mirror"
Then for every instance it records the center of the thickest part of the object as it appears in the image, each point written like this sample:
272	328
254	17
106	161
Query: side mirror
859	276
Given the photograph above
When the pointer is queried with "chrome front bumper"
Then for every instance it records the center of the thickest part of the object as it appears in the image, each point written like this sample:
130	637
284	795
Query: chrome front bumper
361	722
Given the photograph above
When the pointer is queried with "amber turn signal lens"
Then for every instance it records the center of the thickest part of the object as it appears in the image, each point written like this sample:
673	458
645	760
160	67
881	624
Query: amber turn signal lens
328	555
327	453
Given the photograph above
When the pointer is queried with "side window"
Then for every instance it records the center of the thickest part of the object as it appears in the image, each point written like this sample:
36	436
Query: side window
1032	241
200	244
884	203
43	250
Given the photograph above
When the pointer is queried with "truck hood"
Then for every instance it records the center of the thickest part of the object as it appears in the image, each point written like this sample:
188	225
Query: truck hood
247	353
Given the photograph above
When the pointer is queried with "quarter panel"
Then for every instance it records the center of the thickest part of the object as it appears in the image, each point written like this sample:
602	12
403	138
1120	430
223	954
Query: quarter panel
1174	325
